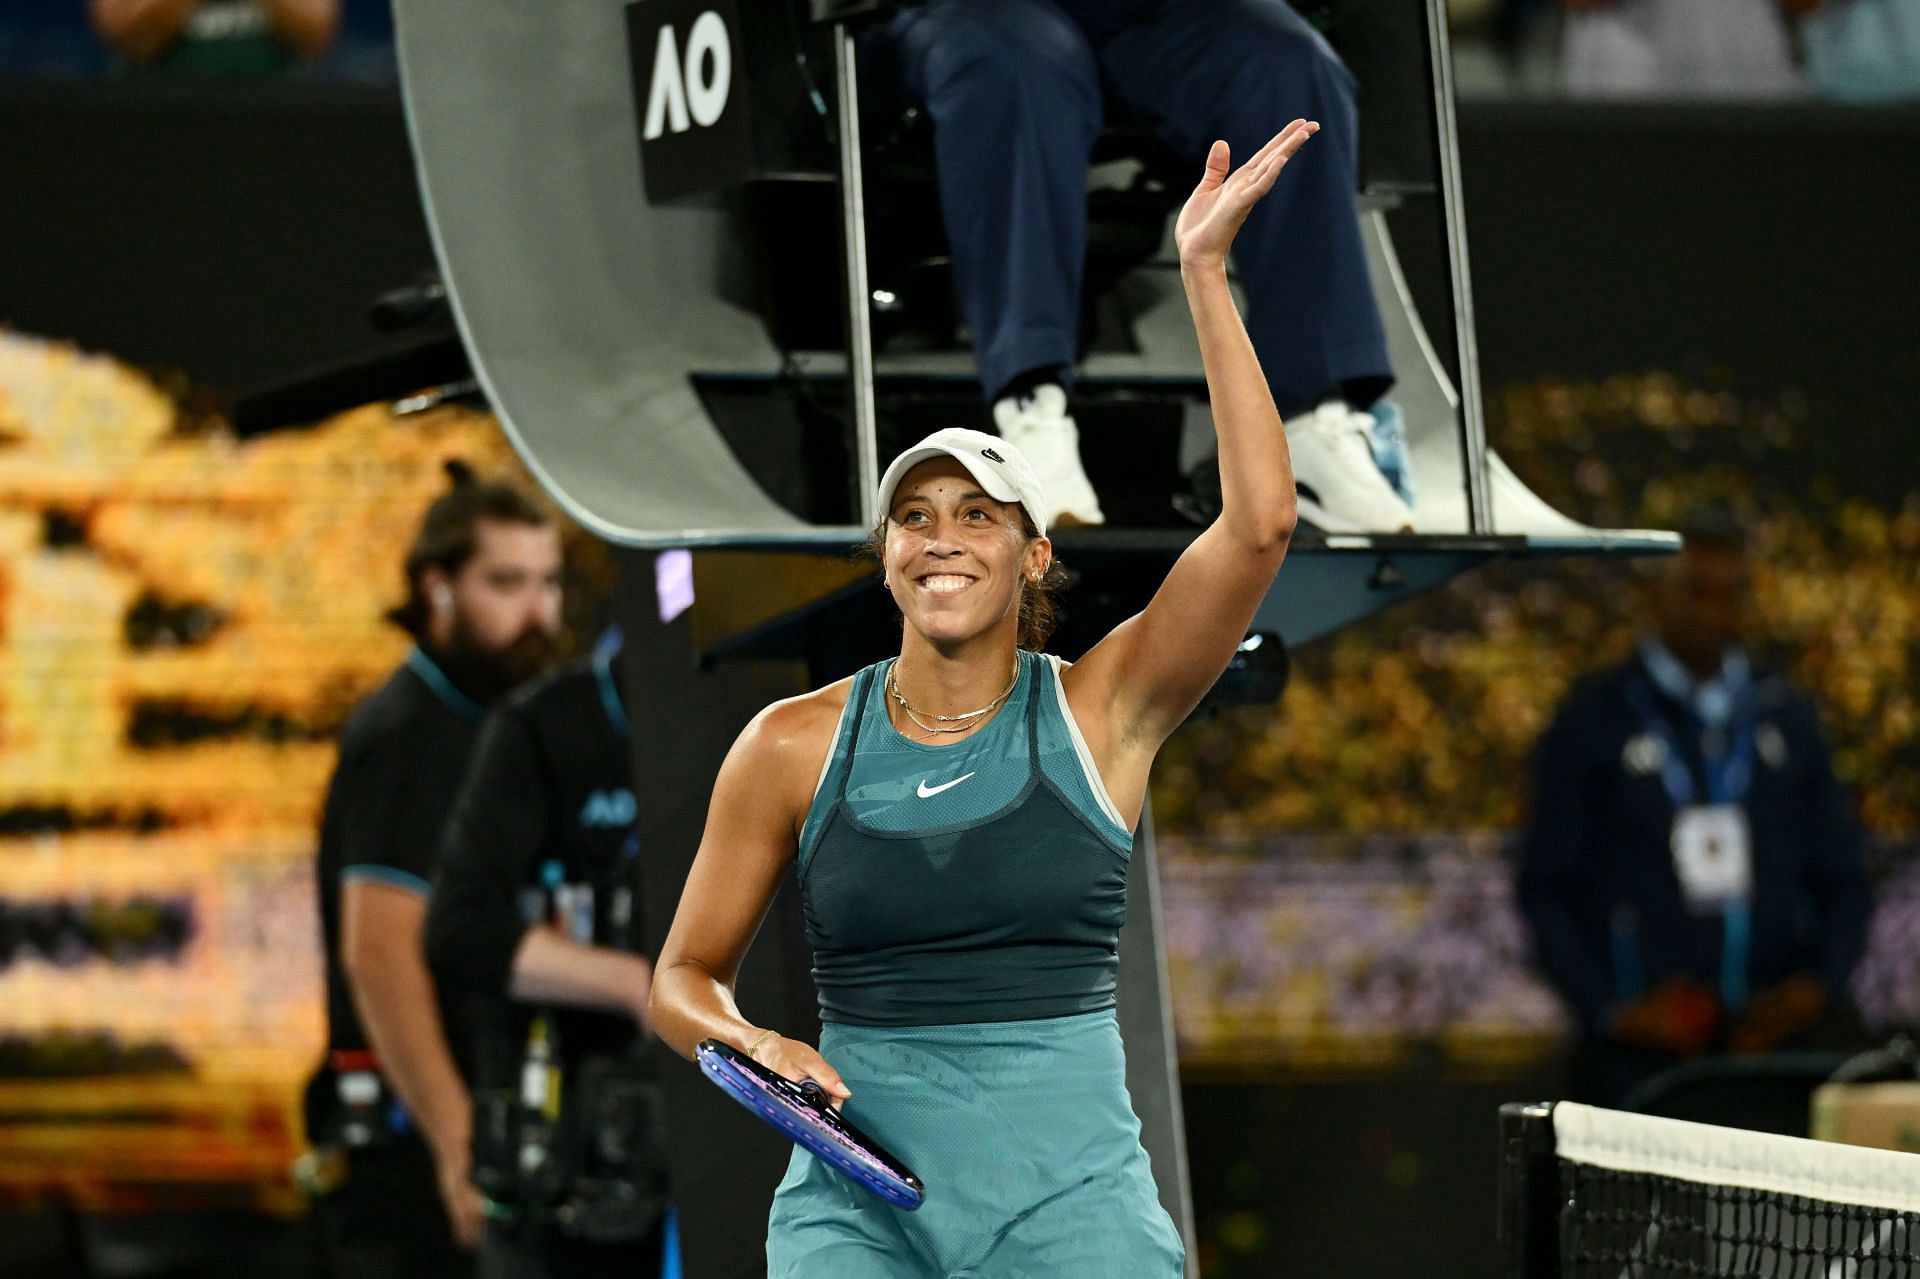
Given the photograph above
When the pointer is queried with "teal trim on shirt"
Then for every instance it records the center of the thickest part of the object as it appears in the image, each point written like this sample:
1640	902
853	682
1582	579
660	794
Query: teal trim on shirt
437	682
391	876
610	696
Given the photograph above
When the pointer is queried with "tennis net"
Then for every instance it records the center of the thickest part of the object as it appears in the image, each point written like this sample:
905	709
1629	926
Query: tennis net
1601	1194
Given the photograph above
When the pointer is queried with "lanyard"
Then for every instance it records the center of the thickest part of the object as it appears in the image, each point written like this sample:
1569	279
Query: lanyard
1729	775
610	696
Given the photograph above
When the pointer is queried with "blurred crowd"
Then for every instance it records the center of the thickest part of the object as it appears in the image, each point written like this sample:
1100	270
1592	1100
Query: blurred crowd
342	40
1839	50
1811	585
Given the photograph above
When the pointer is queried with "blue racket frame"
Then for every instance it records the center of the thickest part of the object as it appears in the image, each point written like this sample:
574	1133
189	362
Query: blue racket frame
803	1114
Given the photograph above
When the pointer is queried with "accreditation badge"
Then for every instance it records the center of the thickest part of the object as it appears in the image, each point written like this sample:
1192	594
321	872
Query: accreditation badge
1713	856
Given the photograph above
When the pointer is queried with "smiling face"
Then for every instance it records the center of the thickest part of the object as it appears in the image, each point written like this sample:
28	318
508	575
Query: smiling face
956	558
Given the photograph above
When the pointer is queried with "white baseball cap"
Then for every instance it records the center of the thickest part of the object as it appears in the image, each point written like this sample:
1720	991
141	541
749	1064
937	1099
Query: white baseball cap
1002	472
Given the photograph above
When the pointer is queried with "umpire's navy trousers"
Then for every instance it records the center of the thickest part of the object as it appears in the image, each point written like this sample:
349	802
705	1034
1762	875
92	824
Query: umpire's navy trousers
1014	88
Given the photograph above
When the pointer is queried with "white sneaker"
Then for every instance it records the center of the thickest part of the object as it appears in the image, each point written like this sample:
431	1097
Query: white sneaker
1341	487
1040	427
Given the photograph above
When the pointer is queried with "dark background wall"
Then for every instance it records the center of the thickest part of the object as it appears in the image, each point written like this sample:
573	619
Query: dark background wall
239	236
1776	242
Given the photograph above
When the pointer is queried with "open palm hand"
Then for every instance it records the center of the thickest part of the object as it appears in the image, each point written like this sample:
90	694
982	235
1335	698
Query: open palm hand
1218	206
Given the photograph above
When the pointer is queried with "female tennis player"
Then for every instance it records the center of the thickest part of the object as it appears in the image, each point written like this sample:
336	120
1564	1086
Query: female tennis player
960	818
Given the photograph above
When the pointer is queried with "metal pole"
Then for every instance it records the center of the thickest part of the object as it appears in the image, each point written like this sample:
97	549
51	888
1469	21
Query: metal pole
1146	1026
853	229
1473	424
1529	1181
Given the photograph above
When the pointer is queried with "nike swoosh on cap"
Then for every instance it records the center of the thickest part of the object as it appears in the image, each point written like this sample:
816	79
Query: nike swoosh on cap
928	792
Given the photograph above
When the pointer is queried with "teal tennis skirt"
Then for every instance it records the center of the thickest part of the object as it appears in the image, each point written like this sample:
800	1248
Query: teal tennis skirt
1025	1139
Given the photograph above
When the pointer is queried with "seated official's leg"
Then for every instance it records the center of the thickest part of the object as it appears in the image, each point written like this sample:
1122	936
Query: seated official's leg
1240	70
1014	97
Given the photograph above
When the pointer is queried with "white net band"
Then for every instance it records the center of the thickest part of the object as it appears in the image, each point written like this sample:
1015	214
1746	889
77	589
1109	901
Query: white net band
1711	1155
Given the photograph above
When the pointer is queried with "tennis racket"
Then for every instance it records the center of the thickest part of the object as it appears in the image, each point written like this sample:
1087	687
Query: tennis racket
801	1111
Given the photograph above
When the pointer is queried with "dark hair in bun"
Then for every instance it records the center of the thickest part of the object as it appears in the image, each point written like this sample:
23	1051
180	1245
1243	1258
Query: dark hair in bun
450	532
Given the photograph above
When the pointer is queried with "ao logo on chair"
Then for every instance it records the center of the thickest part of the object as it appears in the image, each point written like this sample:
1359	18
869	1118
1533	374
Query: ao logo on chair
688	58
690	88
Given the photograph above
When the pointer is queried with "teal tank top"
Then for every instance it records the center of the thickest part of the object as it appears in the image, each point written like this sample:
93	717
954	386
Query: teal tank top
983	881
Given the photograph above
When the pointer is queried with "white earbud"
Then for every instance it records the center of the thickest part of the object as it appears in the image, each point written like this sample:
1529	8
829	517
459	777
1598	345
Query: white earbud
442	596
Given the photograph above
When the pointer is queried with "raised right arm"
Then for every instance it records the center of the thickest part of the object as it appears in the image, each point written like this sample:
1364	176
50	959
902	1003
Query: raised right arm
760	801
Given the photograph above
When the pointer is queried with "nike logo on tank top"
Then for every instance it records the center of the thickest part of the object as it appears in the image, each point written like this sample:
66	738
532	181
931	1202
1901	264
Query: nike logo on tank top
981	881
901	785
925	791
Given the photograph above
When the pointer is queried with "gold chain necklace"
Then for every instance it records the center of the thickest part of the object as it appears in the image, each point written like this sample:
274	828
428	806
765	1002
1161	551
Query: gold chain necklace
919	718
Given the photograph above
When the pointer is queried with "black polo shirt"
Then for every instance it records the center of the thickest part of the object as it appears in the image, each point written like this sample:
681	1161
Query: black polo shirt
403	754
548	799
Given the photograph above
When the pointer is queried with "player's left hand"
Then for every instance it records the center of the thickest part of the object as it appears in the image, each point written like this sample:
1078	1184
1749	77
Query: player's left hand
1218	206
